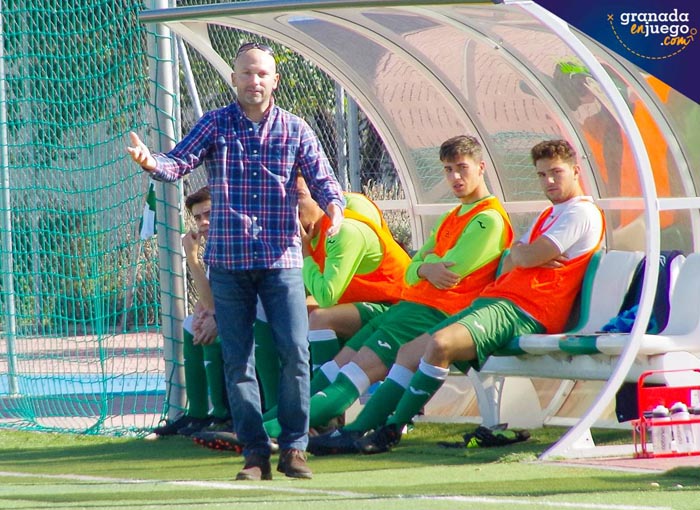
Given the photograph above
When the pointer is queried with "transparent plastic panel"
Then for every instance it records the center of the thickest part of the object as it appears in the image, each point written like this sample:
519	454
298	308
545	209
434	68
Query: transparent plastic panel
407	95
684	116
677	235
550	74
647	99
423	73
511	69
476	75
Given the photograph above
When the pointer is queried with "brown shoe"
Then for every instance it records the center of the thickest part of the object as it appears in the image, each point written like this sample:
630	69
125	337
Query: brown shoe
256	468
293	464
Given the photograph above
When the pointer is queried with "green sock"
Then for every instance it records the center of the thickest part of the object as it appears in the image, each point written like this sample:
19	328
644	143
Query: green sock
378	408
195	377
421	389
323	346
332	401
270	414
272	427
214	364
318	383
267	363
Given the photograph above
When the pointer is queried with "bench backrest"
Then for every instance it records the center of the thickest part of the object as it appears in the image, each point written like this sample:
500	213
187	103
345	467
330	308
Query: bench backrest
604	289
684	316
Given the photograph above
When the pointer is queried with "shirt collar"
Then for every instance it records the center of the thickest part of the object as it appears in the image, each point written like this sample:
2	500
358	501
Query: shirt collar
265	116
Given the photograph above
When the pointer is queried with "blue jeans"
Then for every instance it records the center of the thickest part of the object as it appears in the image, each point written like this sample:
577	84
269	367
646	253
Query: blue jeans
282	295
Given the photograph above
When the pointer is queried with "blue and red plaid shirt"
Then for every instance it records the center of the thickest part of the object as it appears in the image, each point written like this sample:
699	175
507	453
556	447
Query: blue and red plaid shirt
251	173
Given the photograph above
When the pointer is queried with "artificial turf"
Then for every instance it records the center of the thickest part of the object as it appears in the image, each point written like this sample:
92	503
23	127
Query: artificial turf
47	470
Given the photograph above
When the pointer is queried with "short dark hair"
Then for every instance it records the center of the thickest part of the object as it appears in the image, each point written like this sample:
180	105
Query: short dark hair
461	145
197	197
554	149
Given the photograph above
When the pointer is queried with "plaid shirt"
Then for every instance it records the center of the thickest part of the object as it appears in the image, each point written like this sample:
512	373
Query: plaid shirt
251	174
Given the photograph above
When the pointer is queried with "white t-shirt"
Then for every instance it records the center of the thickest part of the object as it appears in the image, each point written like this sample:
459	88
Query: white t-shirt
573	226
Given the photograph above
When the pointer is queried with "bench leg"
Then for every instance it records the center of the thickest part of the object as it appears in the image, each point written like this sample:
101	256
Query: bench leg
488	396
511	400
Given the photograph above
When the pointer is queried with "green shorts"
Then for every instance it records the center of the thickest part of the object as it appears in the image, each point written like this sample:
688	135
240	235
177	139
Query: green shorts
400	324
369	310
492	323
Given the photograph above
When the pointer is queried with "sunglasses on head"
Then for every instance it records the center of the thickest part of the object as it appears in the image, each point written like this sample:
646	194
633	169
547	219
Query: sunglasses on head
255	46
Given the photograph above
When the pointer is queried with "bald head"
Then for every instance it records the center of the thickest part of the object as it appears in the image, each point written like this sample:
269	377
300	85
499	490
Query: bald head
255	78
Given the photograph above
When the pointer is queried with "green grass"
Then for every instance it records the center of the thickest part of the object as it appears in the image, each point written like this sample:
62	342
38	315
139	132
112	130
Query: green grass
44	470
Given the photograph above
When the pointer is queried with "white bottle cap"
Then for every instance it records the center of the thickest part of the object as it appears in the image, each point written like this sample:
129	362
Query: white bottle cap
679	407
660	411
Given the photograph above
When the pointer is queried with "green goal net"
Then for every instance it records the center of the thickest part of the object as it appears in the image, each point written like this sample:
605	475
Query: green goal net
80	341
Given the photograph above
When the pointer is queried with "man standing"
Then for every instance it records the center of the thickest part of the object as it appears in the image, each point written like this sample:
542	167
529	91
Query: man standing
540	279
253	150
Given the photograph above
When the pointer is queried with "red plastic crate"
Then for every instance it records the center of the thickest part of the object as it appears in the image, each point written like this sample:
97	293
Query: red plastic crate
648	397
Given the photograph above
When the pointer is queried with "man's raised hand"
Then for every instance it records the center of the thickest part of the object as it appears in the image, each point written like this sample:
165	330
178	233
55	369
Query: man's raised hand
140	153
190	243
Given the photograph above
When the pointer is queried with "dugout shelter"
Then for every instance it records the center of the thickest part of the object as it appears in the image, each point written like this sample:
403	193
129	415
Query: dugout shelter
509	72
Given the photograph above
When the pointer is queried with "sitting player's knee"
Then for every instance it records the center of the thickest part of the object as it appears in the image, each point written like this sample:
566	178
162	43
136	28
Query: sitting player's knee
319	318
439	346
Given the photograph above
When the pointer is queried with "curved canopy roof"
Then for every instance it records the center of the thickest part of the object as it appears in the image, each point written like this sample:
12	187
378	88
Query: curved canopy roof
511	73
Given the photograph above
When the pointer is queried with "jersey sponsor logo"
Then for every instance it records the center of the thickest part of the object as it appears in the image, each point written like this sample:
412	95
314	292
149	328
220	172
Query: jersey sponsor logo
481	224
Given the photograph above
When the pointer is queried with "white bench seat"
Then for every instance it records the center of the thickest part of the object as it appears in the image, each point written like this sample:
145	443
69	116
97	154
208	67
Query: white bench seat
587	367
603	289
584	353
652	345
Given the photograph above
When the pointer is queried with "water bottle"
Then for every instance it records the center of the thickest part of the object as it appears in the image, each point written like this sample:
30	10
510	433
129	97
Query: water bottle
647	428
682	432
695	414
661	435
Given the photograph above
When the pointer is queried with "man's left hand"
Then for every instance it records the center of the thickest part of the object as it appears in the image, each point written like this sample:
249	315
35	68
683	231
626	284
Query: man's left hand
335	213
